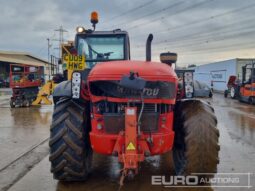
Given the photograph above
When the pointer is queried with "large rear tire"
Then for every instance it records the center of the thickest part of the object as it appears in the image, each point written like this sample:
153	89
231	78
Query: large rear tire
196	139
70	149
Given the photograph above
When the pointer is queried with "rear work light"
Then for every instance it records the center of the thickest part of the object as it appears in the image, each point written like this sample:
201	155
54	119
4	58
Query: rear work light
80	29
76	85
188	82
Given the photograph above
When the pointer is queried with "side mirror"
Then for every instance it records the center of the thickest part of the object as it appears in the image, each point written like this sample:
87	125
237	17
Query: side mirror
168	58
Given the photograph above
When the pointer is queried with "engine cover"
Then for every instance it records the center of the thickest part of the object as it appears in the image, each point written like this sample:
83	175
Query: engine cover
148	70
161	80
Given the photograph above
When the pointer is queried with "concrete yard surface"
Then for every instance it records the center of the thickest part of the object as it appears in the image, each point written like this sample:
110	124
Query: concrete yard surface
24	133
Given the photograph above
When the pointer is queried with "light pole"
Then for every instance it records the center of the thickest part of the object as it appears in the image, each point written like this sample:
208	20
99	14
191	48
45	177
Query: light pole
61	31
48	57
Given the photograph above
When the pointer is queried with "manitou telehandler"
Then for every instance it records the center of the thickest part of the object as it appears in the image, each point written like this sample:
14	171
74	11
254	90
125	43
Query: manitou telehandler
128	109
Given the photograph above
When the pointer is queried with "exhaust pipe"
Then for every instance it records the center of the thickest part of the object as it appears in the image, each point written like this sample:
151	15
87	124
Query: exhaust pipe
148	47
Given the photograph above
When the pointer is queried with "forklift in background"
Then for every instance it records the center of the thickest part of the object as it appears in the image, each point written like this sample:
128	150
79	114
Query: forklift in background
247	86
25	81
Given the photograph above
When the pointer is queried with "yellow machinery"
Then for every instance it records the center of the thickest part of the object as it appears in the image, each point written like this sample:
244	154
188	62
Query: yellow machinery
47	89
44	93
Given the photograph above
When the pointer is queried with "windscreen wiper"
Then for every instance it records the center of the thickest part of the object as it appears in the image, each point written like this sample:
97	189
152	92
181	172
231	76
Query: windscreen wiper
100	55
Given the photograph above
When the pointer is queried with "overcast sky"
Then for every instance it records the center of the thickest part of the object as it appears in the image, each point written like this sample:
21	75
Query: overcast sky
200	31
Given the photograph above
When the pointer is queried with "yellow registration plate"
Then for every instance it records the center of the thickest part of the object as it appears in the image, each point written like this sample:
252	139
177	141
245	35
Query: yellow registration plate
74	62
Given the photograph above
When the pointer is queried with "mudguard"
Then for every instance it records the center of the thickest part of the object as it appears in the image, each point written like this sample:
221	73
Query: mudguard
63	89
194	101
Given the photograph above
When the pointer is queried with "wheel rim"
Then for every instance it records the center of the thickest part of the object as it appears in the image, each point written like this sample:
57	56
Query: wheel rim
251	100
232	92
12	104
26	103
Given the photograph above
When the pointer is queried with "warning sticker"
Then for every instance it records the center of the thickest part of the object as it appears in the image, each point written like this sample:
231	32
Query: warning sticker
130	112
130	146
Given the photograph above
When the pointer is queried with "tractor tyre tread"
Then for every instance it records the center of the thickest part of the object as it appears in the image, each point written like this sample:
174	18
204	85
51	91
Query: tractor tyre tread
70	149
196	145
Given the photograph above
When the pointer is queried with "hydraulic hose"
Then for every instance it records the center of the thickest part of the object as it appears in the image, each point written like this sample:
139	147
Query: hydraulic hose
140	115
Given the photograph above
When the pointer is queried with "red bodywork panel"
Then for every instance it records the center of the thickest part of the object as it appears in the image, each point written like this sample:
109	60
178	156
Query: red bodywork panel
104	143
131	156
116	144
248	90
149	70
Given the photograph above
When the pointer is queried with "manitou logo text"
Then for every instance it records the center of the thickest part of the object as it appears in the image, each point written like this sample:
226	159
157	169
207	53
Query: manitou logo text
151	92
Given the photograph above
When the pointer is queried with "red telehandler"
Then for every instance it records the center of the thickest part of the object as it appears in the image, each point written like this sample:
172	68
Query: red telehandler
128	109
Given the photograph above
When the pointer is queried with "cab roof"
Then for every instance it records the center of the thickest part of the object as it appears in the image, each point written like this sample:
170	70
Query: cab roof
116	31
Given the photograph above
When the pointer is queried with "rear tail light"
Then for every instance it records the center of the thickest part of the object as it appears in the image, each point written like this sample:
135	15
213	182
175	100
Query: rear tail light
76	85
188	82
